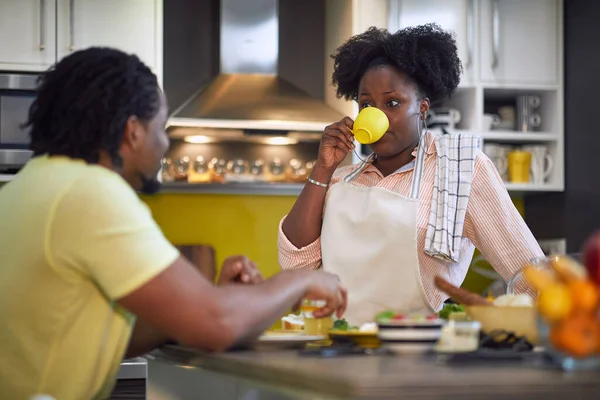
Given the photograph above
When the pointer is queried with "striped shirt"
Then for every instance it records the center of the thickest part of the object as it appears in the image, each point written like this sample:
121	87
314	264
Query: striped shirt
492	224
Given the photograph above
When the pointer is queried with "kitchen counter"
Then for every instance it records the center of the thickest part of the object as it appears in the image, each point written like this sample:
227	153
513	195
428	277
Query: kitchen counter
287	375
266	189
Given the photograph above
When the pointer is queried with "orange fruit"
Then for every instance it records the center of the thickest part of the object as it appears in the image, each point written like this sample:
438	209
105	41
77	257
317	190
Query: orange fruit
584	295
539	278
577	335
554	302
568	269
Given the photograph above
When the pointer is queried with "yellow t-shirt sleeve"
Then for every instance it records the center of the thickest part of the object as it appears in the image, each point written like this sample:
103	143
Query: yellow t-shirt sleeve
100	228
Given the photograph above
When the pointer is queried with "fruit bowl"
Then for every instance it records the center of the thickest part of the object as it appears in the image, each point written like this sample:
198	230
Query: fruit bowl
561	359
568	310
522	321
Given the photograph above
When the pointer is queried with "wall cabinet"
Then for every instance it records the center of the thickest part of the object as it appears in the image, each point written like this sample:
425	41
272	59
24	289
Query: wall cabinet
34	34
27	34
509	49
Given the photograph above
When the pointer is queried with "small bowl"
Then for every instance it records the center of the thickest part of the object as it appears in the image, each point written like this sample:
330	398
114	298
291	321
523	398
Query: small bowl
410	336
522	321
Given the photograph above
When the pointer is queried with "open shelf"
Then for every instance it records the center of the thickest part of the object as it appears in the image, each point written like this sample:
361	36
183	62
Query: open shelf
514	136
531	187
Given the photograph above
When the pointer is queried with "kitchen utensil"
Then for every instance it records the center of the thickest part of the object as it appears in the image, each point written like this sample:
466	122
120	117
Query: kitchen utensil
257	167
218	168
443	117
490	121
297	171
181	167
166	169
519	164
370	125
507	118
237	166
460	295
276	170
527	117
199	173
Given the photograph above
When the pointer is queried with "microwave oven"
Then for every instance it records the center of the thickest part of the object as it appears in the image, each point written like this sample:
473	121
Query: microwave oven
17	92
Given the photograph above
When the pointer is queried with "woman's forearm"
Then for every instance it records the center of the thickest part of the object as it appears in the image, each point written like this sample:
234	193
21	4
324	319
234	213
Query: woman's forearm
302	226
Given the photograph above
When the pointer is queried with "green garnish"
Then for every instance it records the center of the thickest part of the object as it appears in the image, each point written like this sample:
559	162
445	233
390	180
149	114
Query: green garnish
343	325
450	308
385	316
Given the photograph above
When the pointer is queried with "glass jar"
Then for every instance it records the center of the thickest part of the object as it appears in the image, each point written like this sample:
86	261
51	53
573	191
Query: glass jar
312	325
459	336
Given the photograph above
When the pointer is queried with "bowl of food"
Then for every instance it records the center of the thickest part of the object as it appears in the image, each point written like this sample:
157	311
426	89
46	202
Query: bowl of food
510	313
402	333
363	336
521	321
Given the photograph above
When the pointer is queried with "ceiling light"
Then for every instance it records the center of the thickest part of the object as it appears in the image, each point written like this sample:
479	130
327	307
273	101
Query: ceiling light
197	139
279	141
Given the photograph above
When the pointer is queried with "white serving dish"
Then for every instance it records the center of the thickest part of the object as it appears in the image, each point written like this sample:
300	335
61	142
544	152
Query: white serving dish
410	336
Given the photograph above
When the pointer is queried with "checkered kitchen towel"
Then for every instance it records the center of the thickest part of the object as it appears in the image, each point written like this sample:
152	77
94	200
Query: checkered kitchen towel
451	187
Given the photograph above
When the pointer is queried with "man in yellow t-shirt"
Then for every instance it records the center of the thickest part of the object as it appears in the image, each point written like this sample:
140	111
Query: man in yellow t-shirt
81	257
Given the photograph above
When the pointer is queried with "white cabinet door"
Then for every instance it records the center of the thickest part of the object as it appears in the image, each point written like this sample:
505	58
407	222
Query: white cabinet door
27	34
128	25
457	16
519	41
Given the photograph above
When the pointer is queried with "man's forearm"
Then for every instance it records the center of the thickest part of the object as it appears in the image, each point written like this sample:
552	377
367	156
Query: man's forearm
144	338
254	313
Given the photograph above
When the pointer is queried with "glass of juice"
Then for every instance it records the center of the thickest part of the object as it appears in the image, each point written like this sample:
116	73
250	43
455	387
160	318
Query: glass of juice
312	325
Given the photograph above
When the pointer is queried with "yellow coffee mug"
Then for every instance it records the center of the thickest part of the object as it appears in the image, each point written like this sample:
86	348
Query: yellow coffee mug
370	125
519	164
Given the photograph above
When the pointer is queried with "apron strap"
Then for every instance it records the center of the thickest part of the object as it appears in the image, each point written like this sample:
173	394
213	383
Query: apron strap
364	164
415	186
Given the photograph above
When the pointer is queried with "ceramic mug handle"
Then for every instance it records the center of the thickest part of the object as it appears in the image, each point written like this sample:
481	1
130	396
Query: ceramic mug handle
549	165
501	164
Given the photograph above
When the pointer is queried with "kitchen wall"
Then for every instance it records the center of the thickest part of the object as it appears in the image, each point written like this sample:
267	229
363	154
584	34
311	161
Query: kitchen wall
575	214
235	224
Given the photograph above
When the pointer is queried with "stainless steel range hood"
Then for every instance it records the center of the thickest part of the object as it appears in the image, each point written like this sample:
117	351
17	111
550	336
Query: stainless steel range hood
248	94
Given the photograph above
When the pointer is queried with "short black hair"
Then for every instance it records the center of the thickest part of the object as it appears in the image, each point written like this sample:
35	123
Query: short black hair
83	103
426	53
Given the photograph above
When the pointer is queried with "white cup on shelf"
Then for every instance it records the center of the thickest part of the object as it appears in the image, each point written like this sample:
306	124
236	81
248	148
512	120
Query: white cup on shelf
542	163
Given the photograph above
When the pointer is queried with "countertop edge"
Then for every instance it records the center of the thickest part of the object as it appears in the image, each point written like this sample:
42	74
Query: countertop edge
261	189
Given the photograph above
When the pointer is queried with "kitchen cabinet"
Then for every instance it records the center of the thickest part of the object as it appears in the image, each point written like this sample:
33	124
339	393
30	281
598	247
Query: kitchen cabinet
34	34
519	41
509	49
27	34
129	25
457	16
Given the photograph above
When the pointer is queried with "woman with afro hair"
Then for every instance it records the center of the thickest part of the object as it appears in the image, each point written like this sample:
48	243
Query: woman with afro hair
420	204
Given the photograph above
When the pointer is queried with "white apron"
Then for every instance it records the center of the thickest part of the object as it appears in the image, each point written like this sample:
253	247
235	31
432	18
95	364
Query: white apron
369	239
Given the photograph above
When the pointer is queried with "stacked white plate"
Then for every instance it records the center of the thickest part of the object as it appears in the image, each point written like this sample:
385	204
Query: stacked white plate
409	335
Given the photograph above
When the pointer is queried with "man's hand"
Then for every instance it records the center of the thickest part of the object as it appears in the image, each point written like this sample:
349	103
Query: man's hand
239	269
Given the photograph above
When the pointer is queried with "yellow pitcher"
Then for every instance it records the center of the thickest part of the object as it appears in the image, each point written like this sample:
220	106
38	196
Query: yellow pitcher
519	163
370	125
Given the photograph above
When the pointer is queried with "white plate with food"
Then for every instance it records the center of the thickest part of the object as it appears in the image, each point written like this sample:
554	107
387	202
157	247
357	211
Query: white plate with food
286	339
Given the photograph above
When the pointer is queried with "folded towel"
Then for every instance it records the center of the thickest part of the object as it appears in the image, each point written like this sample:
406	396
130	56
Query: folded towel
451	188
